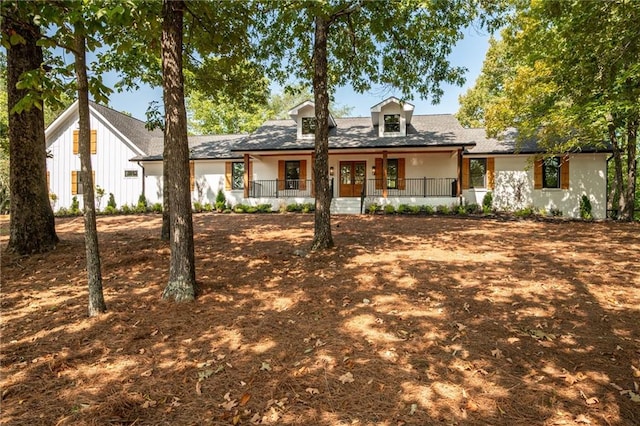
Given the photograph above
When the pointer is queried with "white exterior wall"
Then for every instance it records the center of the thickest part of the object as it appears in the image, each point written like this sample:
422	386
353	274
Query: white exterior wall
109	164
514	186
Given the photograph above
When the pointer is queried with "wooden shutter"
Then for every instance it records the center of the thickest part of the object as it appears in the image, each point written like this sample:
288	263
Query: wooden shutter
192	180
76	137
564	172
94	141
303	175
402	184
228	175
491	173
281	175
537	174
378	174
74	182
466	167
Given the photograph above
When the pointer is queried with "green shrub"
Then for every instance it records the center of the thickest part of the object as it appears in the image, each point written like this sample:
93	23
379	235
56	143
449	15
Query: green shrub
226	210
389	209
487	202
295	207
208	207
252	209
112	201
75	206
197	206
585	208
221	201
264	208
126	209
240	208
525	212
473	208
414	209
142	205
428	209
373	208
555	212
308	207
156	208
461	210
62	211
403	209
443	209
110	210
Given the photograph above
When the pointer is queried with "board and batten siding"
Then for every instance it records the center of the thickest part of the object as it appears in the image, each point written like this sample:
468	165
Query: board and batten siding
109	164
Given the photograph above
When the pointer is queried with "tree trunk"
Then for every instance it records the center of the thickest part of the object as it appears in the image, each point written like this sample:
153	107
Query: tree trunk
322	238
630	190
182	275
96	298
32	225
165	233
618	186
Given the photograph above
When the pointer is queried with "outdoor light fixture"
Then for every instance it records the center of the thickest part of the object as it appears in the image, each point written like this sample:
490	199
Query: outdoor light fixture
331	171
373	170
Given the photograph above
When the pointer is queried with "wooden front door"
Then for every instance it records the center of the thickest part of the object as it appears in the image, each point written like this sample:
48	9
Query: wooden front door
352	177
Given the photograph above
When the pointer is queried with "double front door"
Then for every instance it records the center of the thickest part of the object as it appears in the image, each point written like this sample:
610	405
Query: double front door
353	175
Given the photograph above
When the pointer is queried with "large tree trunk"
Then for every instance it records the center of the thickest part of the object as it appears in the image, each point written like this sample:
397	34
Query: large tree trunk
165	233
617	204
630	192
322	238
32	225
94	275
182	275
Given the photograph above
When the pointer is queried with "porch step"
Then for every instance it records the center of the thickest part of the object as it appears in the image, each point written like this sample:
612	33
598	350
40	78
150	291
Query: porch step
345	206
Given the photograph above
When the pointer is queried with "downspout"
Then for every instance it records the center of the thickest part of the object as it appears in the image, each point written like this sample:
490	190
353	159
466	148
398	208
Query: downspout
143	179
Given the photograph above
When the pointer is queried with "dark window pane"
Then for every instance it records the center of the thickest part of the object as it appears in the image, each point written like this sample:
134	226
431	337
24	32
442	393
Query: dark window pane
292	174
392	174
308	125
392	123
551	173
237	175
477	172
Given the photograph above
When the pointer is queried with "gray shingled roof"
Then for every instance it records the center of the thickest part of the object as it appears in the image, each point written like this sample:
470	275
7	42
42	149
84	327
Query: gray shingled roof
424	131
207	147
132	128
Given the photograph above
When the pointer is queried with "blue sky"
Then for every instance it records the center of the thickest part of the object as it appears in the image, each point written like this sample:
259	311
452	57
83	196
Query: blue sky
468	53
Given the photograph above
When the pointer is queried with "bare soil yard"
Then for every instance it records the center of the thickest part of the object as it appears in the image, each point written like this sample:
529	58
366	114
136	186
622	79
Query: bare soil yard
409	321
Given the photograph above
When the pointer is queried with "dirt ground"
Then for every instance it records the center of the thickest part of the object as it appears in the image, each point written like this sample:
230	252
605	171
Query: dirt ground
409	321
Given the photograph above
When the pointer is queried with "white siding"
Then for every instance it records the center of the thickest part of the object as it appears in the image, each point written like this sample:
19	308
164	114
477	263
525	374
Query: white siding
109	163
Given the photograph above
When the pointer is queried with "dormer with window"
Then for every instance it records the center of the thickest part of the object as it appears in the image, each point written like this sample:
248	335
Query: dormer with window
305	117
391	117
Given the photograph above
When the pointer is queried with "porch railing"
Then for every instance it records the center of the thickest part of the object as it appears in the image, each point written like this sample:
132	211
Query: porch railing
413	187
280	188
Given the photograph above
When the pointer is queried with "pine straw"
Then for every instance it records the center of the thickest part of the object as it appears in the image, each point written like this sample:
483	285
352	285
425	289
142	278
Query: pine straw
410	321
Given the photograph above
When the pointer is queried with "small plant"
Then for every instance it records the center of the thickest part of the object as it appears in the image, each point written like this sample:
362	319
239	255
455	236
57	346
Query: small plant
428	210
110	210
252	209
295	207
308	207
75	206
473	208
555	212
221	201
525	212
227	210
141	207
99	196
241	208
414	209
63	211
487	202
264	208
112	201
156	208
126	209
461	210
585	208
443	209
207	207
373	208
389	209
54	198
403	209
197	206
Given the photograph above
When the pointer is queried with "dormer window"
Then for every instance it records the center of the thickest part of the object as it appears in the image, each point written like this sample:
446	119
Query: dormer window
308	125
392	123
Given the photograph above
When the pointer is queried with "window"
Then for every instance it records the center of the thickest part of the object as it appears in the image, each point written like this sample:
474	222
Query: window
308	125
237	175
551	172
292	174
392	174
477	172
131	173
392	123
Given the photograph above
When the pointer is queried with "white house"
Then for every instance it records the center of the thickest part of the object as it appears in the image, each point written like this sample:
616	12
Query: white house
392	157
